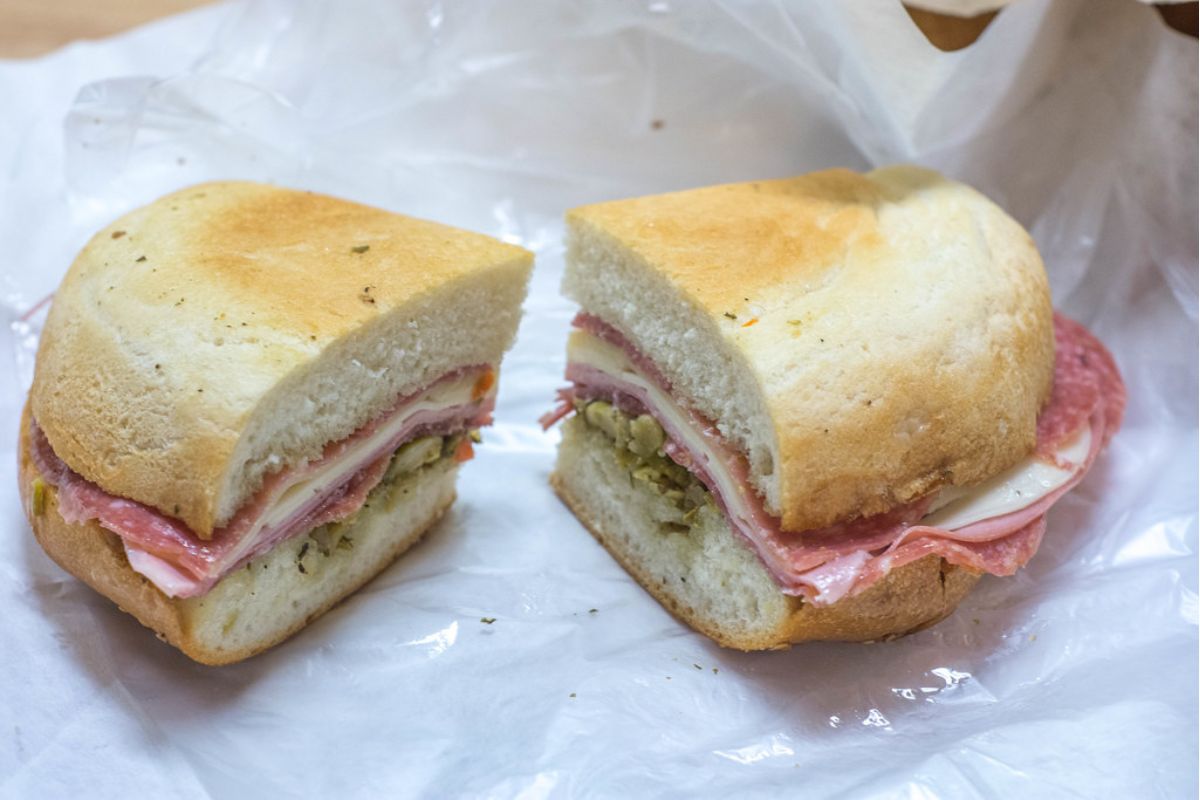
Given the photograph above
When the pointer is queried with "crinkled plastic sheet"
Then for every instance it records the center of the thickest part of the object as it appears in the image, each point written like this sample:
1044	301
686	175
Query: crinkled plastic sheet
1077	677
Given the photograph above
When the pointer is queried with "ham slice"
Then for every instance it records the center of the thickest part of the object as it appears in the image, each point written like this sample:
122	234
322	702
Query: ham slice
1085	409
291	501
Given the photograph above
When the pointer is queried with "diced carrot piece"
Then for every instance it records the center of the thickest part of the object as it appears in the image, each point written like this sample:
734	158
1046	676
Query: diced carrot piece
486	381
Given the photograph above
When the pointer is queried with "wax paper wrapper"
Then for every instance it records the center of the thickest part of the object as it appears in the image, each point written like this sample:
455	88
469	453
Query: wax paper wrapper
1075	678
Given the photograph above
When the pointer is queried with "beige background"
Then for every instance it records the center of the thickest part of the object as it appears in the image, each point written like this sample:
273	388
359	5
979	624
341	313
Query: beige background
33	27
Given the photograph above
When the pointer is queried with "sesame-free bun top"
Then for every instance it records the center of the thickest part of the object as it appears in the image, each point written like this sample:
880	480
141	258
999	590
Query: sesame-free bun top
231	329
863	338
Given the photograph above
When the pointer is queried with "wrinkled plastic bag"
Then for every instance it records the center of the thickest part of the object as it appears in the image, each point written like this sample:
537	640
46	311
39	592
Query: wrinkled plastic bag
1077	677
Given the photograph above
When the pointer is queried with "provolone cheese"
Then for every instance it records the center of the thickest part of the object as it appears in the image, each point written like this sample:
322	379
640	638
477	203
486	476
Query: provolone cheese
310	484
956	507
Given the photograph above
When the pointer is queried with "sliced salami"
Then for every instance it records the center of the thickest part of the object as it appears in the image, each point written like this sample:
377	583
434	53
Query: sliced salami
1088	399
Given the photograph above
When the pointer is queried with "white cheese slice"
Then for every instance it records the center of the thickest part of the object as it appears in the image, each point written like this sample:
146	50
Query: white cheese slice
1011	490
956	507
584	348
308	483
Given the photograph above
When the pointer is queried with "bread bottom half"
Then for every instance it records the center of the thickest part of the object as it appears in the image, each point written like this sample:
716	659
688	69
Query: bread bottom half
270	598
710	579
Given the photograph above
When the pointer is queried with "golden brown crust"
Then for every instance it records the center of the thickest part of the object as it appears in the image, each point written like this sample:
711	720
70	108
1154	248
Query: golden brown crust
896	325
908	599
97	557
176	321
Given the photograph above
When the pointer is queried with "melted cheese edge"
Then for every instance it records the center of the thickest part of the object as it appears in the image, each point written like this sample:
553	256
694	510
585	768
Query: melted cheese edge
308	483
319	480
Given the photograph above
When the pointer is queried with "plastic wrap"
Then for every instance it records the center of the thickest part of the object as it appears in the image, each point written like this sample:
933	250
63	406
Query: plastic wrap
1077	677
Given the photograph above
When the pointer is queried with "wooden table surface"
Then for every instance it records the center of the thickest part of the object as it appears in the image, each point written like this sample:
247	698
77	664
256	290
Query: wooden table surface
33	27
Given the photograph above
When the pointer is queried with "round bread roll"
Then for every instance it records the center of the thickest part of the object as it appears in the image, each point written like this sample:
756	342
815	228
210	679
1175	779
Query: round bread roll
864	339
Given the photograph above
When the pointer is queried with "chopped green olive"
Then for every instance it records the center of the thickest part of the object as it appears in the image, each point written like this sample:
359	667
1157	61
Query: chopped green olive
648	436
608	419
450	444
638	442
39	497
647	473
414	455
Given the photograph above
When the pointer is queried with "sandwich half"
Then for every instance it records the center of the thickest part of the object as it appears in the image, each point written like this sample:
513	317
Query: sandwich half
820	408
250	400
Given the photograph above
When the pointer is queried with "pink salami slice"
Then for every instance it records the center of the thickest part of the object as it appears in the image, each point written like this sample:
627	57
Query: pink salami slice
845	559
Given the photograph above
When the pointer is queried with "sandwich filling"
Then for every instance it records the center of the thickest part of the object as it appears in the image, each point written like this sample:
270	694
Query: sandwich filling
292	501
992	527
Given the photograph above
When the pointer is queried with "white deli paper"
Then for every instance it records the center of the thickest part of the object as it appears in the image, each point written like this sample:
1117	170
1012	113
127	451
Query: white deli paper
1077	677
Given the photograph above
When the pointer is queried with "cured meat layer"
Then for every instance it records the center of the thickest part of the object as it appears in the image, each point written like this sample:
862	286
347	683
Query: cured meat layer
994	528
291	502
